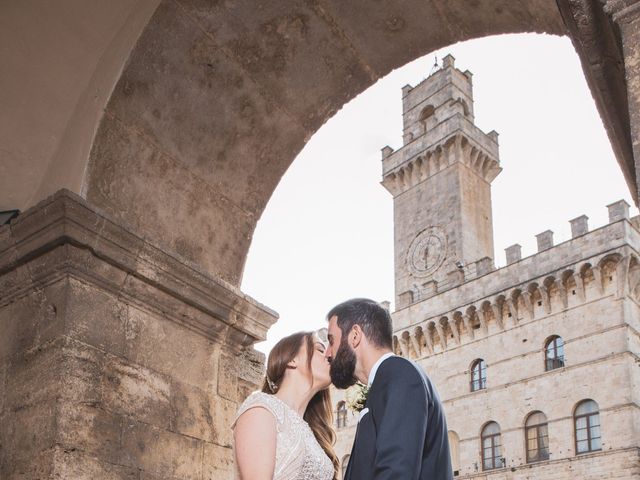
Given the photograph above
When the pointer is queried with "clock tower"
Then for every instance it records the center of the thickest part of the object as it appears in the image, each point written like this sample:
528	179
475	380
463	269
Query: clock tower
440	180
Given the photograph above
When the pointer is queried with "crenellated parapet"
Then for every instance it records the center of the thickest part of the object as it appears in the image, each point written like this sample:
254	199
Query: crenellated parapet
615	272
406	168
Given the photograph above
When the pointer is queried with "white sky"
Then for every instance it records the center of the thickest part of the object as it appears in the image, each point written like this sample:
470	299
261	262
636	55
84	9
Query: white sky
327	232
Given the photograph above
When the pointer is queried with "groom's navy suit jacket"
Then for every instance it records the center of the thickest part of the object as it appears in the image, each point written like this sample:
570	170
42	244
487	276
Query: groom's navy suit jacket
403	436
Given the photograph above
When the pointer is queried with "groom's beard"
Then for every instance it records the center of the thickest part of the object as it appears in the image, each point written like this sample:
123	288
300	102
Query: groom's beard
343	366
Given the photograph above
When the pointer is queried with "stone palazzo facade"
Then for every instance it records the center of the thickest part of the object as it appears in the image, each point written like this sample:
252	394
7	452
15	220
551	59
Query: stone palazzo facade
537	363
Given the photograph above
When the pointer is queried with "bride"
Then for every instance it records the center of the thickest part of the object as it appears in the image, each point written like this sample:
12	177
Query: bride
284	431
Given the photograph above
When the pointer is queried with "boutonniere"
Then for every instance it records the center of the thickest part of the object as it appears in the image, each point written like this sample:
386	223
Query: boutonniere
356	396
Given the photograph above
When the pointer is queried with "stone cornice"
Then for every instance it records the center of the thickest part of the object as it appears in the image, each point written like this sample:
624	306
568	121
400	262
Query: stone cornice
98	249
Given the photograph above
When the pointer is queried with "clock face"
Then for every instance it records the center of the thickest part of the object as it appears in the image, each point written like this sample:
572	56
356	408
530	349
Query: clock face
427	251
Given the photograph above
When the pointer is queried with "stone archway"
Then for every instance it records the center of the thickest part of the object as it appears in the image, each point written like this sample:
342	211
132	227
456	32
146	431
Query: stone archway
121	358
217	99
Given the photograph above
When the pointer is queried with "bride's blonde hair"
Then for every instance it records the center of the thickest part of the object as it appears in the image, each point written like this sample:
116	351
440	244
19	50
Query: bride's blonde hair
319	412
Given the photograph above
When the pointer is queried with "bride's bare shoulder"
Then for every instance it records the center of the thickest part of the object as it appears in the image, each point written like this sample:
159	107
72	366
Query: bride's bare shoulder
259	403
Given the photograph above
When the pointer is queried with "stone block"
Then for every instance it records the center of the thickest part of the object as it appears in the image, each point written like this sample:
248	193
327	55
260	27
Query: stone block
190	411
89	429
19	325
27	432
137	392
514	253
618	211
78	465
12	280
430	288
96	317
245	389
218	463
579	226
3	386
83	367
228	377
34	377
545	240
160	452
223	413
484	266
37	466
185	355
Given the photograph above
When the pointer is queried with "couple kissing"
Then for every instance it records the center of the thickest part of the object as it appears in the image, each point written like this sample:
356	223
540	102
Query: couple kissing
284	431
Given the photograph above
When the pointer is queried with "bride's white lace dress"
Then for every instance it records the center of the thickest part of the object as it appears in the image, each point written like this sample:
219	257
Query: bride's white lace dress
298	454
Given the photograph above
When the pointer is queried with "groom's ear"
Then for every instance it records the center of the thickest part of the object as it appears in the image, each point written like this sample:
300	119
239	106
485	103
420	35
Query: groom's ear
355	336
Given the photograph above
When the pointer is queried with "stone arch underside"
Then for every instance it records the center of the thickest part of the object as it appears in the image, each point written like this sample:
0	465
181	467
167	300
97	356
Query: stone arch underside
218	98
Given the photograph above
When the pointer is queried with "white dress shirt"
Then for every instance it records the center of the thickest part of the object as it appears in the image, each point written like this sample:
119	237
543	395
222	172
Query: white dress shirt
374	369
372	376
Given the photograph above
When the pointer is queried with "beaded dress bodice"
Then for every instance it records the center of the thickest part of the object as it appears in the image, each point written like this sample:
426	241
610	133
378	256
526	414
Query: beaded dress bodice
298	454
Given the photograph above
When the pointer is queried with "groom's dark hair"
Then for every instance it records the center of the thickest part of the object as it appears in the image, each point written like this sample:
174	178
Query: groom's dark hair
374	320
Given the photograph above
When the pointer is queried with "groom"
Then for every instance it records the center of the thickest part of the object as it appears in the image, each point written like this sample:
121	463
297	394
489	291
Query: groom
402	431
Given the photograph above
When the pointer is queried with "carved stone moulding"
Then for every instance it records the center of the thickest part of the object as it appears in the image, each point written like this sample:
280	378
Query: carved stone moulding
65	236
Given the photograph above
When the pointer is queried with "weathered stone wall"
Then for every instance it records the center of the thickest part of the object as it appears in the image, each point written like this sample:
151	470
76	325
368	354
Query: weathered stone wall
117	360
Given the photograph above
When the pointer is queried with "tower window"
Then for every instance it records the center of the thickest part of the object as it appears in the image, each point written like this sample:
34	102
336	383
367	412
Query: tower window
554	353
478	375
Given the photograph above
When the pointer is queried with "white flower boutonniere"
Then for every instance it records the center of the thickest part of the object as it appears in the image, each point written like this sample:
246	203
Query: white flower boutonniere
356	396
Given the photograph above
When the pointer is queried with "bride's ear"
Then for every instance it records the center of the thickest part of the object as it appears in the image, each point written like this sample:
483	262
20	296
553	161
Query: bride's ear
292	364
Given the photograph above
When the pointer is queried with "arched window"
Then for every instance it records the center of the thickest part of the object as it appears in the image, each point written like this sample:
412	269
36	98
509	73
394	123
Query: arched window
537	436
587	427
345	464
491	447
554	353
478	375
454	447
427	118
427	112
341	415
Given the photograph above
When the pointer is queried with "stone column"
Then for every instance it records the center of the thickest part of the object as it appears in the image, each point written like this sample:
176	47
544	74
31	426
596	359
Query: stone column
117	358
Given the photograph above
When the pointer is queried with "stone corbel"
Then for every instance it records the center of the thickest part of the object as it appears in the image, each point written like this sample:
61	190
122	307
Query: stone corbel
526	297
562	290
622	274
580	286
513	310
467	324
546	299
482	316
441	334
416	345
428	339
404	347
497	314
454	329
597	275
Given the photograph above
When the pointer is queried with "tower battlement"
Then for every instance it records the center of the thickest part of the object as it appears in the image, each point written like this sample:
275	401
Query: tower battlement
591	264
